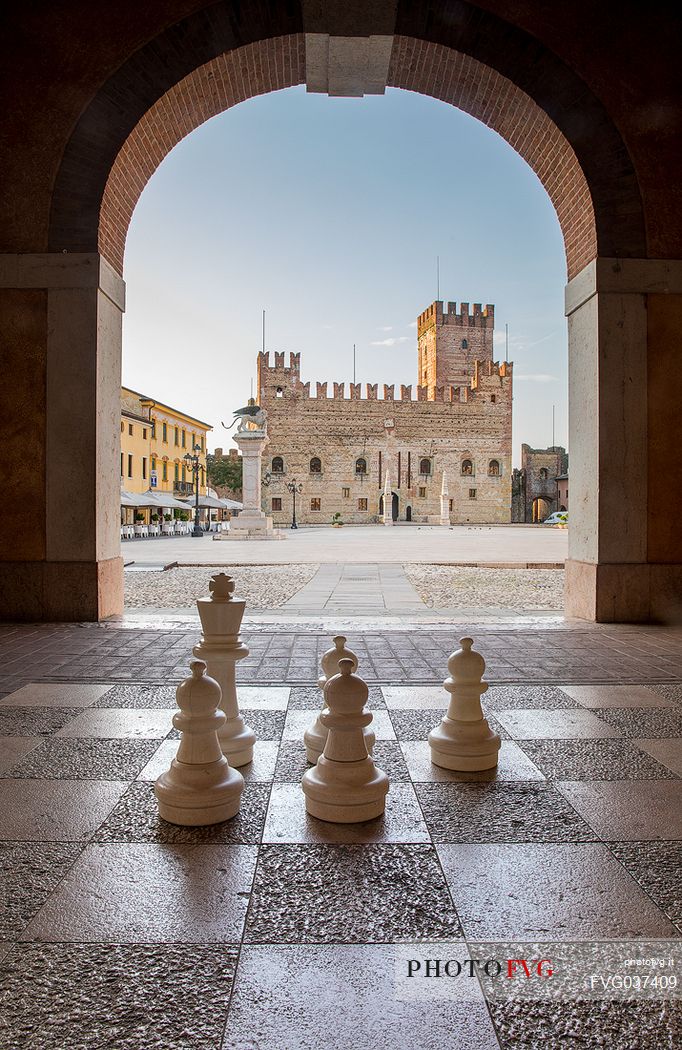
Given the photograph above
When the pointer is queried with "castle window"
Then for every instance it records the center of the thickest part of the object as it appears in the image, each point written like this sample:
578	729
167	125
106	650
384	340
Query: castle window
361	466
494	468
543	474
467	466
422	492
472	493
276	503
279	392
451	505
316	504
362	504
345	493
425	466
277	465
493	399
465	344
315	465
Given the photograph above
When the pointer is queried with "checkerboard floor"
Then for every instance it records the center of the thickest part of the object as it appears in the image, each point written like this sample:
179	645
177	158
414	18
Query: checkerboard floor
275	930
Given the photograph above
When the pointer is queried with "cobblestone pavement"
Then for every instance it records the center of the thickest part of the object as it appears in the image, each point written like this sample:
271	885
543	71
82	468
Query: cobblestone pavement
262	586
276	930
446	587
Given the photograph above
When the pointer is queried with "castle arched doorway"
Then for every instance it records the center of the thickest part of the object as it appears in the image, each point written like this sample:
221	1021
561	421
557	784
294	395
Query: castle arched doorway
146	88
541	509
395	506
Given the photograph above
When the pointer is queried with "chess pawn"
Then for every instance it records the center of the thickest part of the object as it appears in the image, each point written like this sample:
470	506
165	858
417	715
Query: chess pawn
200	787
221	647
464	740
345	787
315	736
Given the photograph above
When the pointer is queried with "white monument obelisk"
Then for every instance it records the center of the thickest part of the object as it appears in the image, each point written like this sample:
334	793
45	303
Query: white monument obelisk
388	501
444	501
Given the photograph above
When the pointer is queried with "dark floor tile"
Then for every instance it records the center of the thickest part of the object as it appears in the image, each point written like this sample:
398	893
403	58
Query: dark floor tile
349	894
309	698
594	760
672	692
416	725
648	723
30	871
501	697
119	996
76	758
35	721
136	819
135	696
581	1025
500	812
657	867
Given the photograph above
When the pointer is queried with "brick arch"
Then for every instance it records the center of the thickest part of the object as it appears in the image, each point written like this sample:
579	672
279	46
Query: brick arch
485	66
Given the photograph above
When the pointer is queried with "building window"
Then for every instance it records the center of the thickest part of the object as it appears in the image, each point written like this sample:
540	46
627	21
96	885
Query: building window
122	427
184	475
153	462
493	399
144	468
467	466
130	429
276	503
451	505
164	432
176	436
202	442
121	464
184	439
315	465
144	433
425	466
153	428
279	392
176	473
164	471
472	493
422	492
362	504
494	468
315	504
277	465
130	466
361	466
345	493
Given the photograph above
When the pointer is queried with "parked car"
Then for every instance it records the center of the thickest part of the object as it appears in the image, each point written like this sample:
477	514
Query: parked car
559	517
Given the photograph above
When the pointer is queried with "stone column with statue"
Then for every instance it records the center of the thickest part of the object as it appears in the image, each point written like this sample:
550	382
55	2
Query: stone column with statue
251	437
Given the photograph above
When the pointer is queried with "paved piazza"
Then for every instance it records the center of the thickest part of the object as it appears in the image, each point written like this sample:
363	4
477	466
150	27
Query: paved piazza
458	545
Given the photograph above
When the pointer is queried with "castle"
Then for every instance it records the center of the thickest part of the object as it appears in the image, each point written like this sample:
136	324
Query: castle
340	449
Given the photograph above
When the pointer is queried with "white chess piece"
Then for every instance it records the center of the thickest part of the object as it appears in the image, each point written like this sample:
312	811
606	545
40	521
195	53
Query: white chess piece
200	787
464	740
221	648
315	736
345	787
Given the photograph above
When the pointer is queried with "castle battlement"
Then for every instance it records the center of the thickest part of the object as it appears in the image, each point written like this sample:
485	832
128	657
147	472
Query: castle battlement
439	313
280	381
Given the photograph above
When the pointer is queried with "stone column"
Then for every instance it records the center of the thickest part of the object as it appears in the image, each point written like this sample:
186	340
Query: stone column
624	323
388	501
444	501
62	317
251	445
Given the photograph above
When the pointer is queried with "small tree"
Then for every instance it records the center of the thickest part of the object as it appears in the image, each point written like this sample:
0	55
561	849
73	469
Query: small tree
225	473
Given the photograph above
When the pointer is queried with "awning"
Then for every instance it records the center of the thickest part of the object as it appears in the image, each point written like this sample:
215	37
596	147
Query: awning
213	503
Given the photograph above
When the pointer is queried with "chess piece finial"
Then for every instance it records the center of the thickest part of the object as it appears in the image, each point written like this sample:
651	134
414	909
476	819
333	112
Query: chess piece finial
345	787
464	740
315	736
200	787
221	587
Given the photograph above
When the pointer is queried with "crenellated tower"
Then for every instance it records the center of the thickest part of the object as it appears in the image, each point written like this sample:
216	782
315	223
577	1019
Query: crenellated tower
278	381
450	341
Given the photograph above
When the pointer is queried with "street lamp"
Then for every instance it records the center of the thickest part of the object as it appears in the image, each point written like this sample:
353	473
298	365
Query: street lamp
192	462
294	486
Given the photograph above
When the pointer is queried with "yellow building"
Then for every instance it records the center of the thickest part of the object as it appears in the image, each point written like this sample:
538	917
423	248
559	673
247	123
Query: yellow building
154	440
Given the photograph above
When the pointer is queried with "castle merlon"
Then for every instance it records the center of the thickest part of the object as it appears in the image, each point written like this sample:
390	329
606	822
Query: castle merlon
440	313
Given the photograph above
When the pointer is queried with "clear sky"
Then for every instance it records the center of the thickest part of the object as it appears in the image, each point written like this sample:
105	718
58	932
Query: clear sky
329	214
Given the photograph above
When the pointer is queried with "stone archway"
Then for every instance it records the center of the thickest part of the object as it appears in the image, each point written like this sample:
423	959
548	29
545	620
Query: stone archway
150	79
541	509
